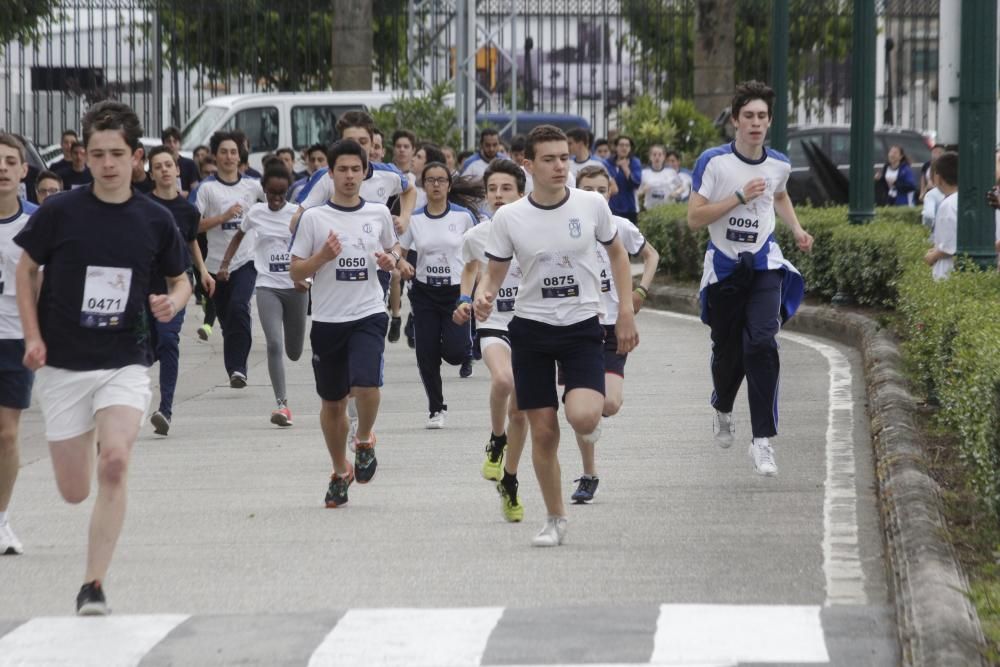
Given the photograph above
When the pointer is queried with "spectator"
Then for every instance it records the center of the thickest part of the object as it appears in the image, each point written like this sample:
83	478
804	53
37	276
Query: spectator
69	137
78	174
658	180
189	173
931	201
683	190
942	256
49	183
602	149
897	179
926	182
626	170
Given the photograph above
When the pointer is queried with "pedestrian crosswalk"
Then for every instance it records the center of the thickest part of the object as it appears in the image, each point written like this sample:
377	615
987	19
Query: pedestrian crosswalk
669	634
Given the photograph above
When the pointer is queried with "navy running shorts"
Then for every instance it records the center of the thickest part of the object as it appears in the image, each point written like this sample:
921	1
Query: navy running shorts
15	379
537	347
613	362
348	354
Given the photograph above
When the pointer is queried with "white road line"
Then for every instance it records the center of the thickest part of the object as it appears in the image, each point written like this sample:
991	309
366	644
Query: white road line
408	637
109	641
845	578
697	634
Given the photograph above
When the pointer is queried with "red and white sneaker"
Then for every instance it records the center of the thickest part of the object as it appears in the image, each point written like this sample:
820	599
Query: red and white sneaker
282	416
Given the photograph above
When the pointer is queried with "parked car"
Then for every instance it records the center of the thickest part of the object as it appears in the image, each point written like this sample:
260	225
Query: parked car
835	143
274	120
528	120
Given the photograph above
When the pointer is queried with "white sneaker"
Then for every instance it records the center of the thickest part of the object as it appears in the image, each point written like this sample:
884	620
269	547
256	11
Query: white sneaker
592	438
763	457
436	420
552	533
9	544
724	428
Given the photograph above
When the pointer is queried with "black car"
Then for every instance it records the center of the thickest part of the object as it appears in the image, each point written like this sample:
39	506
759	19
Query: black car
834	144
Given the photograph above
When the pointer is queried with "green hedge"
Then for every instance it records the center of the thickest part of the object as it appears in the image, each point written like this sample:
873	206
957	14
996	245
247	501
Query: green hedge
950	329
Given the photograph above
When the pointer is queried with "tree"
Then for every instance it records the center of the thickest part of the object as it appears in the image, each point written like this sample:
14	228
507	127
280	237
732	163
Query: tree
714	54
352	45
20	19
431	117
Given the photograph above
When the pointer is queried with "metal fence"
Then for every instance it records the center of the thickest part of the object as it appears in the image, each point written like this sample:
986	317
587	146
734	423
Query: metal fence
586	57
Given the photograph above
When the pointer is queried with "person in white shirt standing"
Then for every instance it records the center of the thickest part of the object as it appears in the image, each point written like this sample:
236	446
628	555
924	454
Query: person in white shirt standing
941	258
281	303
224	200
551	233
658	181
341	243
579	151
15	379
748	288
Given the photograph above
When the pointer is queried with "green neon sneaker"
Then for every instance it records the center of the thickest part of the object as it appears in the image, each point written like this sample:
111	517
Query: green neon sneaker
510	506
493	465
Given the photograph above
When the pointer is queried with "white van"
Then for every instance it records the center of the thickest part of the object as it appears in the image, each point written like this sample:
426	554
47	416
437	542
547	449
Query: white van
276	120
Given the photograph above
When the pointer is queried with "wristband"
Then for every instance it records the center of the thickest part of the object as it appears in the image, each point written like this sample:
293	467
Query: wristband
465	298
741	196
641	291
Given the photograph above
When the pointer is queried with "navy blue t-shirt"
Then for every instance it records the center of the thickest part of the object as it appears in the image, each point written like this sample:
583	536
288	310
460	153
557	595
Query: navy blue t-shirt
76	179
99	259
189	172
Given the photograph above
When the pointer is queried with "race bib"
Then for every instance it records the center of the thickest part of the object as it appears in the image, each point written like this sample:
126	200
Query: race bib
742	230
505	299
560	286
234	223
352	269
605	281
105	297
657	195
438	275
278	258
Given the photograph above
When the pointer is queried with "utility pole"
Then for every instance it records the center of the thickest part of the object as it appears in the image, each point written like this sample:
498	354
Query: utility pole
353	50
779	74
863	60
977	133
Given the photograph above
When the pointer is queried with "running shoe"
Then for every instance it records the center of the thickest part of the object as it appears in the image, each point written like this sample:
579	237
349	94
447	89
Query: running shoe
466	370
763	457
394	327
9	544
510	505
237	380
436	420
336	494
586	489
90	600
493	465
552	533
724	428
204	331
282	416
160	422
365	462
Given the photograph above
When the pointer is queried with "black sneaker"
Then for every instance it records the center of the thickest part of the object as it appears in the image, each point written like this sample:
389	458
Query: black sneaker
90	600
394	326
466	370
336	494
586	489
365	462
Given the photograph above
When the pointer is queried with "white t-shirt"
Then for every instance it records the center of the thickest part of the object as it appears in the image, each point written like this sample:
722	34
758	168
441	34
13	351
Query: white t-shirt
474	248
438	242
383	181
475	165
932	199
720	172
271	256
634	241
347	288
561	282
592	161
659	185
10	255
946	236
216	197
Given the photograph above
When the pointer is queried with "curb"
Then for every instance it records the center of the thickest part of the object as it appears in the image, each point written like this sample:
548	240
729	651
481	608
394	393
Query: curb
936	622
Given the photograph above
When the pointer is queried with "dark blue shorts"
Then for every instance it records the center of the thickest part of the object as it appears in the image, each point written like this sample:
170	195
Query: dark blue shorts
348	354
537	347
15	379
613	362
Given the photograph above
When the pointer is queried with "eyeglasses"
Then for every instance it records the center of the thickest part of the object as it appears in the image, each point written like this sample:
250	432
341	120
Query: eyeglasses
436	181
48	191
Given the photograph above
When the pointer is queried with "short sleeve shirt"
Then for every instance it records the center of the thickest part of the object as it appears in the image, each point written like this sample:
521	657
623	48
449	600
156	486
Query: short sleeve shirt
474	249
721	171
382	182
10	255
659	185
215	197
633	240
346	288
186	217
946	235
99	259
271	237
438	242
554	245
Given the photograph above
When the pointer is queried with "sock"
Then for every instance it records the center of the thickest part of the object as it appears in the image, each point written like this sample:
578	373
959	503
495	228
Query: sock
509	483
498	440
352	409
761	441
3	518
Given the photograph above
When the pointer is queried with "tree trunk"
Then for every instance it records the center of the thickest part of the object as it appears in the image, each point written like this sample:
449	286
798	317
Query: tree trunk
352	45
714	55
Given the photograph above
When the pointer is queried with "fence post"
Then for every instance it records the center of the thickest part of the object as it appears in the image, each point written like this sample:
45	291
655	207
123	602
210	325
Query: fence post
862	185
779	74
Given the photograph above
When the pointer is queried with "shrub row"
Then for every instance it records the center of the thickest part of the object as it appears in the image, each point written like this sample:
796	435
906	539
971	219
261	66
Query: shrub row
950	329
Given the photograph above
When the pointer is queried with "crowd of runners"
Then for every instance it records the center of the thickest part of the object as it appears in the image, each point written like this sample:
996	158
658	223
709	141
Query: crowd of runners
518	257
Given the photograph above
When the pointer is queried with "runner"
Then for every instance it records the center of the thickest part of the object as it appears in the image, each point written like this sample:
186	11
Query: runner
281	303
658	181
168	339
223	200
15	379
340	244
87	325
551	234
579	149
504	182
489	148
435	233
748	288
596	179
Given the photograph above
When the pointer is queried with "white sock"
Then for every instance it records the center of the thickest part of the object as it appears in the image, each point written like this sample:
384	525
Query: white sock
3	518
352	409
761	442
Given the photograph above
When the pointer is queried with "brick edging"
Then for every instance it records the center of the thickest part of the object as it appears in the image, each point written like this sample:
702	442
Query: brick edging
936	621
